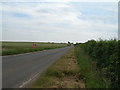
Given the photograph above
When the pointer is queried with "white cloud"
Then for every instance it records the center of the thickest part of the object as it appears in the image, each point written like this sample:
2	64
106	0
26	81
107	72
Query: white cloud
0	22
60	1
59	22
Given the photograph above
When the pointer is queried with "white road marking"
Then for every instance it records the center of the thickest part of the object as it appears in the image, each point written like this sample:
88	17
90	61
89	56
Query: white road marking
26	82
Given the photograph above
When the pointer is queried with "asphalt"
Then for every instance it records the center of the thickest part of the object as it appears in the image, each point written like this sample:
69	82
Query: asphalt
18	69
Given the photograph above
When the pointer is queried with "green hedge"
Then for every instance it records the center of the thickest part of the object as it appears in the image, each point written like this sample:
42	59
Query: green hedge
105	54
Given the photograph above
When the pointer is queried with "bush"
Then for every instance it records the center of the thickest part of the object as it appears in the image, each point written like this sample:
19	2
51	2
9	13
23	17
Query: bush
105	54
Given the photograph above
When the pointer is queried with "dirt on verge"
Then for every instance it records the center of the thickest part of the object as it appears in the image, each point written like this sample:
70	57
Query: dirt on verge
65	73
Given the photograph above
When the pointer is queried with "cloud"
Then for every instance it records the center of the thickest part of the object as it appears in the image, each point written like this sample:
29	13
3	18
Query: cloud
60	1
59	22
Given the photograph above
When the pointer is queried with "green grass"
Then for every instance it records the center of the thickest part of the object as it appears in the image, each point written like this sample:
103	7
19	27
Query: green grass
9	48
93	78
105	54
62	74
0	48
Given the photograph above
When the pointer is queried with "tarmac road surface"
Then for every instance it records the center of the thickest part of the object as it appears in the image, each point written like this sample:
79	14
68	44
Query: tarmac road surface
17	69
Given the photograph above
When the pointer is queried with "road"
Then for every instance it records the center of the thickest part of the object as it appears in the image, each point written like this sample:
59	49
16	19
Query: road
18	69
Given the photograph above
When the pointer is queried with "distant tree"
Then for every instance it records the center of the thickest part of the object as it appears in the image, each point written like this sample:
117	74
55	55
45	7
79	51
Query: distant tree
69	43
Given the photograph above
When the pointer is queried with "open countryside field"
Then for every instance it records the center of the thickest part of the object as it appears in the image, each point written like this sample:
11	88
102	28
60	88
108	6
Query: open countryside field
60	44
9	48
93	64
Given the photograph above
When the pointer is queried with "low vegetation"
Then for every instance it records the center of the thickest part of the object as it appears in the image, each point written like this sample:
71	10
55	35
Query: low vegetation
99	63
94	64
88	70
65	73
0	48
9	48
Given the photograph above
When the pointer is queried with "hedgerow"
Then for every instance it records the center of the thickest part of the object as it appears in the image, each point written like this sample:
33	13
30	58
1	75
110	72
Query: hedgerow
105	53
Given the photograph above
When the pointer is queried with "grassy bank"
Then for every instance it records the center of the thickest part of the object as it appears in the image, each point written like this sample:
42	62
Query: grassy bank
9	48
91	76
63	74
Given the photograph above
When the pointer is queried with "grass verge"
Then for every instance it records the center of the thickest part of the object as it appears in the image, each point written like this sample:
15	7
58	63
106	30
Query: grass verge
92	78
63	74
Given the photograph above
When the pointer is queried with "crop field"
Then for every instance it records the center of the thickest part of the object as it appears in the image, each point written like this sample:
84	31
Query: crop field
9	48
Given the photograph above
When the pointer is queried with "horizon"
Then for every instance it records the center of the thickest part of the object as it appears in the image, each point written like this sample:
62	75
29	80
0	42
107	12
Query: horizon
60	42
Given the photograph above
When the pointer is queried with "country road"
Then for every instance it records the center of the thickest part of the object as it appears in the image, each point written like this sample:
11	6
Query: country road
18	69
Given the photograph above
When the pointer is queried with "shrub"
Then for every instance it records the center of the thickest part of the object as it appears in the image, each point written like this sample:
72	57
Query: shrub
105	54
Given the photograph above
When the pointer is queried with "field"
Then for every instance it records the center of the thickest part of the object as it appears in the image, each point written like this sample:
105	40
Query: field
9	48
99	63
94	64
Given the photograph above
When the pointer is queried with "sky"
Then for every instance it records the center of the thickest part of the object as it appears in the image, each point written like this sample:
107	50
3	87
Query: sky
59	21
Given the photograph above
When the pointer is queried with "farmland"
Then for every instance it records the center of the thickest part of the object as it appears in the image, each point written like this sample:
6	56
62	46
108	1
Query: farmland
9	48
96	64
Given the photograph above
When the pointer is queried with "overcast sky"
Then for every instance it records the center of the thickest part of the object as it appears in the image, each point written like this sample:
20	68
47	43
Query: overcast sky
59	21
